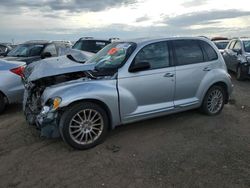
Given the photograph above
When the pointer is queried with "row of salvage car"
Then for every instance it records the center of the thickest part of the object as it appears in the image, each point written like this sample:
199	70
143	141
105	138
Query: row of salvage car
80	96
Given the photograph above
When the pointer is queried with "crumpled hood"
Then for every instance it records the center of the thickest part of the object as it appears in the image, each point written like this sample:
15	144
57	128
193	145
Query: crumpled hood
53	67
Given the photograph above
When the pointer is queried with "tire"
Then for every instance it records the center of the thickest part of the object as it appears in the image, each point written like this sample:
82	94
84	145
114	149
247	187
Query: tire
218	95
239	74
2	103
76	127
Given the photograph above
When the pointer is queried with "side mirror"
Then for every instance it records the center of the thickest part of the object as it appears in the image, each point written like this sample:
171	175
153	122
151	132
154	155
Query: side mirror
46	55
139	66
237	51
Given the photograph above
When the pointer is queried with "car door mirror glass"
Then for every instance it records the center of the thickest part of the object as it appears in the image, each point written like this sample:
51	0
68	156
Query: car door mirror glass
139	66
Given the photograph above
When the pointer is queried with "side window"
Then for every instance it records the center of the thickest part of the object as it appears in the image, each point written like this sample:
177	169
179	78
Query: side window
51	48
237	46
231	45
210	53
156	54
36	50
188	52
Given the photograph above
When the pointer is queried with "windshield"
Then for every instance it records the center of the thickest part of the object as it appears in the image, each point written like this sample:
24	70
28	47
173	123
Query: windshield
247	46
90	45
112	56
221	45
26	50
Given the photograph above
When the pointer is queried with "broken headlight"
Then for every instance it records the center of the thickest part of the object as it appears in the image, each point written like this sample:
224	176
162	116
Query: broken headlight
53	104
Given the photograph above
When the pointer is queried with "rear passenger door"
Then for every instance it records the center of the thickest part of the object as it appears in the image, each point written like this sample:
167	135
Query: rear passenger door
193	60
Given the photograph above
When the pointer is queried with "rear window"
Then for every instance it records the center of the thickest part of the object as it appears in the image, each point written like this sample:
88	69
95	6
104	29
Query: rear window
221	45
188	52
90	45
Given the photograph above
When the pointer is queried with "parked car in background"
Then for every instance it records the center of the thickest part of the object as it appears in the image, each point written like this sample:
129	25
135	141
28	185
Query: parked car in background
219	38
11	86
90	44
237	57
221	45
126	82
5	49
35	50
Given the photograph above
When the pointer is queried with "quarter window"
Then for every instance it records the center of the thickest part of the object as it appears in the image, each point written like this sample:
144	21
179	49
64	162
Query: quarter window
210	53
51	49
156	54
188	52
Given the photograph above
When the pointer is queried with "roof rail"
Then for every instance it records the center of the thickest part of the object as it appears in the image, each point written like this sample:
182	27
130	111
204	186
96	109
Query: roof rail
87	37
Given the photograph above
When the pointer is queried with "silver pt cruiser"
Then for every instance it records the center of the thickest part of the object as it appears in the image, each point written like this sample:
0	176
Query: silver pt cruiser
125	82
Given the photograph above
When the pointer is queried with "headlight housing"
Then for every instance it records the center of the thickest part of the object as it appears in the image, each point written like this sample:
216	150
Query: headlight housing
54	103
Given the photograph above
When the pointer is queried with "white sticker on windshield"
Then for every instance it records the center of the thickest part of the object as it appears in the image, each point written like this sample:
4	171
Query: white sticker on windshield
123	45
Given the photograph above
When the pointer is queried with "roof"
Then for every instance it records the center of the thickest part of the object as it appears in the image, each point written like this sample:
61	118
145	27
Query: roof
92	38
218	41
245	39
149	40
37	42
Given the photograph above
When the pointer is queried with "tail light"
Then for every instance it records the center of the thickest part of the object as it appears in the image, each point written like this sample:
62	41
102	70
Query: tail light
19	71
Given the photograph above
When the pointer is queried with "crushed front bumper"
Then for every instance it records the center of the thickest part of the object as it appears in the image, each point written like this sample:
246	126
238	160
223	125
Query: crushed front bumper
47	122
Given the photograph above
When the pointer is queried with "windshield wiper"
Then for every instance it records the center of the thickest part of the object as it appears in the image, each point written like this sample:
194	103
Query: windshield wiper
73	59
20	56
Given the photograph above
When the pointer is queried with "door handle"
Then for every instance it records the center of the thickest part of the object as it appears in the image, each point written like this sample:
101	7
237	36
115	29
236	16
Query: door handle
169	75
207	69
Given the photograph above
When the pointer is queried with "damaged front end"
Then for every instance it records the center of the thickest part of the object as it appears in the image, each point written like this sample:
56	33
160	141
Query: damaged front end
44	114
38	77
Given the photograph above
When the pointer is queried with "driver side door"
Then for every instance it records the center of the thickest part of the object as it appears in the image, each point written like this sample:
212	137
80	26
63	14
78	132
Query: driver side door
148	93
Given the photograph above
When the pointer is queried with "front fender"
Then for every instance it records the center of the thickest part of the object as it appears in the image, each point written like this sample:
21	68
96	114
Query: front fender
104	91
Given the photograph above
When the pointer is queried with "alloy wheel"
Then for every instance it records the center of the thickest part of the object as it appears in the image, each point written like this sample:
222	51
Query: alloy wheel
86	126
215	101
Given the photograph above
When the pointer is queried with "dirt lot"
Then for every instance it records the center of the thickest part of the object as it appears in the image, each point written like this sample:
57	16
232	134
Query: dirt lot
182	150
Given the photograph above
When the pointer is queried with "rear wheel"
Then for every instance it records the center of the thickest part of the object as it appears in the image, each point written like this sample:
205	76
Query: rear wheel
239	73
2	103
214	100
84	125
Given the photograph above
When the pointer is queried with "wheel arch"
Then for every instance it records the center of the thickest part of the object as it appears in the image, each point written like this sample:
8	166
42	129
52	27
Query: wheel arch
5	97
224	86
98	102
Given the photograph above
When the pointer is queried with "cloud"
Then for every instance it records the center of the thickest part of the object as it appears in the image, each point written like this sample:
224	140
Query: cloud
143	18
193	3
66	5
205	17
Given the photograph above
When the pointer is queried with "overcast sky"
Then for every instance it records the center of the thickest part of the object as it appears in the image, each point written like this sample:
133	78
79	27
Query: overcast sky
23	20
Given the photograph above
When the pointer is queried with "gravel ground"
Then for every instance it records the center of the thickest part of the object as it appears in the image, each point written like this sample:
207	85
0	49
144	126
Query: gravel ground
182	150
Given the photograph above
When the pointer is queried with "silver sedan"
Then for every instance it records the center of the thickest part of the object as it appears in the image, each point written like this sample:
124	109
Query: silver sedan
11	87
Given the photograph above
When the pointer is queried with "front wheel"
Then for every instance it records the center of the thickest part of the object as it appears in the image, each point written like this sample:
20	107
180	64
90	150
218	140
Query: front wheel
214	101
84	125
